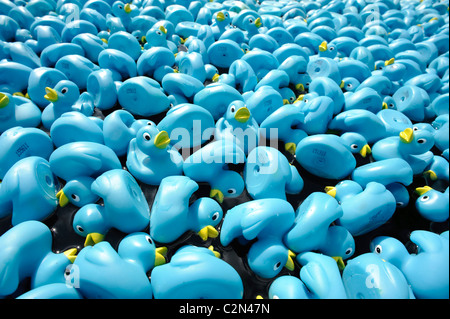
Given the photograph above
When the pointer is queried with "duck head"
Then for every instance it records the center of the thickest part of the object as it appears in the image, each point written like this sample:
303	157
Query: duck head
415	141
65	93
207	215
122	10
327	50
228	184
390	249
156	37
357	143
223	18
77	192
238	114
152	141
89	222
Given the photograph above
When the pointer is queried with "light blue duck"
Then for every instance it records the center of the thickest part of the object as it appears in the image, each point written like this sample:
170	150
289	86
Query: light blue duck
238	125
18	111
221	23
27	253
28	191
266	220
327	50
432	204
150	157
268	174
210	164
196	273
312	229
171	215
105	273
124	207
363	209
125	12
427	271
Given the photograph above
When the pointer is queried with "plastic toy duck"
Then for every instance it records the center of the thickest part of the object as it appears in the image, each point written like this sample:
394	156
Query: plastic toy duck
432	254
331	156
363	210
135	256
266	220
27	253
327	50
412	146
221	22
196	273
62	98
150	157
125	12
118	189
157	37
20	142
238	125
367	276
171	215
268	174
318	113
210	164
312	228
28	191
17	111
432	204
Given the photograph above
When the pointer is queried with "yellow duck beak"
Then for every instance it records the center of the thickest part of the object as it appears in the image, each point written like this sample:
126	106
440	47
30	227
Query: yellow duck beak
162	140
290	147
62	198
422	190
217	195
208	232
330	190
300	87
216	253
365	150
71	254
93	238
384	106
431	174
407	135
162	29
342	84
51	95
258	22
323	46
389	62
4	100
216	77
127	8
160	256
220	17
290	262
285	101
242	115
340	262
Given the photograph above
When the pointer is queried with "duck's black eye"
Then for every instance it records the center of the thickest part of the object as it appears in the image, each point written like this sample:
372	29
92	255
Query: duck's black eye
250	20
120	7
378	249
354	146
348	251
64	90
149	123
415	128
146	136
215	216
421	140
231	191
80	229
75	197
277	265
425	198
232	109
149	240
331	48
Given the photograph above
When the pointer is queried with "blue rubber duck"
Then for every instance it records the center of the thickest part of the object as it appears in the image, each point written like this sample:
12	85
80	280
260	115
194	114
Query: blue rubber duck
150	157
20	142
363	209
124	207
27	253
125	12
28	191
210	164
135	256
268	174
196	273
312	229
62	98
266	220
431	262
368	276
432	204
157	37
331	156
221	22
17	111
412	146
171	215
238	125
318	112
327	50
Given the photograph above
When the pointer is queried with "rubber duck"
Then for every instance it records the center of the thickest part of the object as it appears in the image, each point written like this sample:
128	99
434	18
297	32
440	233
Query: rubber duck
438	169
268	174
367	276
210	164
432	254
77	69
135	256
16	111
331	156
318	112
193	273
265	96
150	149
412	146
238	125
118	189
363	209
37	200
220	23
20	142
171	217
257	219
157	37
432	204
313	231
190	124
28	253
38	80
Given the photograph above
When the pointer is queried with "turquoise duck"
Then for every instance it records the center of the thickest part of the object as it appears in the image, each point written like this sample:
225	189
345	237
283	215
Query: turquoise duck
263	102
313	230
432	254
28	191
363	209
238	125
318	112
27	253
150	157
172	215
432	204
210	164
118	189
221	22
135	256
196	273
266	220
17	111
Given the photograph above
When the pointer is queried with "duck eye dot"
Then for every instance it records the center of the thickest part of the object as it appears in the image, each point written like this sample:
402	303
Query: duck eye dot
421	140
378	249
149	240
146	136
80	229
